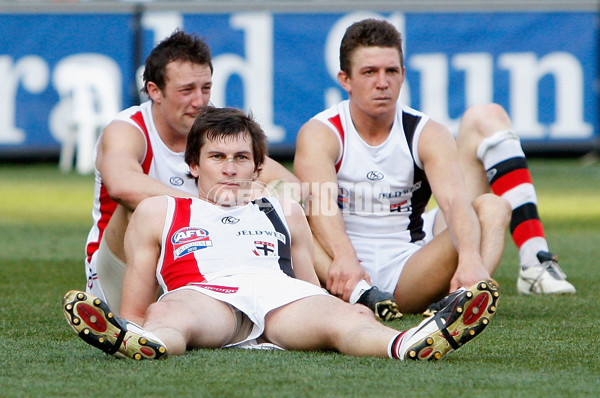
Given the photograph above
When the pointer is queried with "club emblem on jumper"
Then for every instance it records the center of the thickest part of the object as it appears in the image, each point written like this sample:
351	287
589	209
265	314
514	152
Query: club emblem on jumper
399	207
342	199
177	181
92	276
189	239
263	248
375	175
230	220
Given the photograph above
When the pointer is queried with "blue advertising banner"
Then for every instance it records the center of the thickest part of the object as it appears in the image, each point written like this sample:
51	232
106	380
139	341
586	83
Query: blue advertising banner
62	73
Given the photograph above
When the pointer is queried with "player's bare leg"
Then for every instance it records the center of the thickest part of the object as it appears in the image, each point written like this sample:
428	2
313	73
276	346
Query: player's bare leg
324	322
491	159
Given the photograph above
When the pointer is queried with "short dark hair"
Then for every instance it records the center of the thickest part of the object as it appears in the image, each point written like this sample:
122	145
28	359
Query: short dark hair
218	123
180	46
368	33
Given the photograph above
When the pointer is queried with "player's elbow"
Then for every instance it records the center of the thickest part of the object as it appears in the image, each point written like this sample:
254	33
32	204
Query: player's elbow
123	194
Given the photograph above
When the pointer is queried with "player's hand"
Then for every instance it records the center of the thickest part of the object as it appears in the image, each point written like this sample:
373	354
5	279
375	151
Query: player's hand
344	273
467	274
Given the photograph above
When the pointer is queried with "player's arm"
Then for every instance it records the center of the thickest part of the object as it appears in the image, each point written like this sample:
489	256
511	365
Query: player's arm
281	179
317	149
438	153
142	249
302	246
121	151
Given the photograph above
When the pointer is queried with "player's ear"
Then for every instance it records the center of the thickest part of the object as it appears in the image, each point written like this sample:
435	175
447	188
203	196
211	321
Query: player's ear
194	170
257	171
154	92
343	79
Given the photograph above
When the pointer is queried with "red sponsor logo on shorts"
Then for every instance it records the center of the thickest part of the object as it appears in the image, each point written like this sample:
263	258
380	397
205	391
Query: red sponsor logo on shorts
215	288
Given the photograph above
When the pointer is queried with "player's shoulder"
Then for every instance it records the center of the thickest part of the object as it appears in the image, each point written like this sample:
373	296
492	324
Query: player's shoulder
123	134
153	204
435	130
325	119
318	131
314	127
149	216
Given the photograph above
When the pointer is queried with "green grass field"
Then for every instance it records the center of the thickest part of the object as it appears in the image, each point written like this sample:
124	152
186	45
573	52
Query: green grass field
535	347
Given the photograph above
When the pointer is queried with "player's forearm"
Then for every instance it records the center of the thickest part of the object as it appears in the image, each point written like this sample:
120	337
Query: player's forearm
130	189
466	233
330	232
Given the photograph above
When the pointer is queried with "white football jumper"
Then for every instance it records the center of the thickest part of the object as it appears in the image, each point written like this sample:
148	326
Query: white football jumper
383	191
160	163
239	255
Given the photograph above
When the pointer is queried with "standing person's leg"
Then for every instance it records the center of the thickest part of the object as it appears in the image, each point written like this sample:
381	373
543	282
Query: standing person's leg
491	159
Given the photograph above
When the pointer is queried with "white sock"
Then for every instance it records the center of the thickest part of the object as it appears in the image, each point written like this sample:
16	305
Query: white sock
134	327
395	346
360	287
529	250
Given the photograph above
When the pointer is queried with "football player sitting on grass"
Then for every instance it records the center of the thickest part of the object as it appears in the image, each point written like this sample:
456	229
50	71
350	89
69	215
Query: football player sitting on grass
236	269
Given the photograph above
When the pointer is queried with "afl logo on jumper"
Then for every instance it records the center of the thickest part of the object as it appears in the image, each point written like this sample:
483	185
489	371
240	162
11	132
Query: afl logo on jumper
187	240
375	175
177	181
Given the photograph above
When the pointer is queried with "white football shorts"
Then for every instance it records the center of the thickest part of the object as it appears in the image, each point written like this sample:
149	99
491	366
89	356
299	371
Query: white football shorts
384	258
255	292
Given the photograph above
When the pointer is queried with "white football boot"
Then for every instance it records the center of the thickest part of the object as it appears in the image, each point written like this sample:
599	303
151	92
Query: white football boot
544	278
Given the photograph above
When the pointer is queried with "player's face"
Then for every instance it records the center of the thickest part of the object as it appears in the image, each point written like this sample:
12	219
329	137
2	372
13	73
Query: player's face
226	171
375	80
187	88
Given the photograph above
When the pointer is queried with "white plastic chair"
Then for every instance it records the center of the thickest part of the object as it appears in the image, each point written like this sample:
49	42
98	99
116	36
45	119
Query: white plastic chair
89	87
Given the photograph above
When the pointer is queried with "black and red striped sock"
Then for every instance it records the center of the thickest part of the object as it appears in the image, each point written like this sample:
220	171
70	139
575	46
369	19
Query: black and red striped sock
509	177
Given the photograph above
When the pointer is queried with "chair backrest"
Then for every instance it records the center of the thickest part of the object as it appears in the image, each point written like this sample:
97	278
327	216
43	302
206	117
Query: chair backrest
89	88
92	83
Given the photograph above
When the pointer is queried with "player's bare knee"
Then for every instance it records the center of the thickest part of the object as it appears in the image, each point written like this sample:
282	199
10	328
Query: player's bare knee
350	313
361	311
483	113
352	317
484	120
158	310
